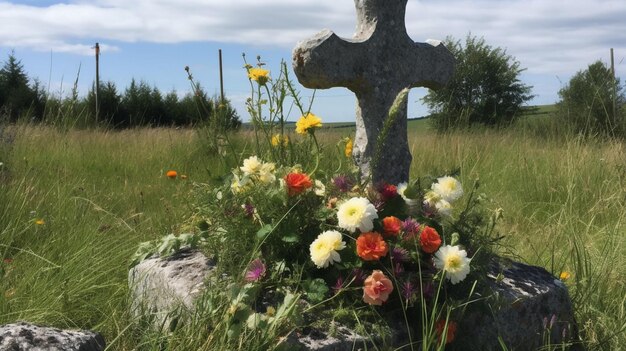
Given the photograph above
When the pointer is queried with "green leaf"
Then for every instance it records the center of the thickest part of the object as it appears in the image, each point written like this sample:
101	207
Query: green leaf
315	289
293	238
264	231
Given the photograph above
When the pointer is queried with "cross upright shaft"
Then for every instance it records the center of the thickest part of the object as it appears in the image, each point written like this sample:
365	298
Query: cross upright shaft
376	65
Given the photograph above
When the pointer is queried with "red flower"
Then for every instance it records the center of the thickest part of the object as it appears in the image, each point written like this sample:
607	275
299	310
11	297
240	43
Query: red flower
371	246
297	183
429	240
451	330
388	191
391	226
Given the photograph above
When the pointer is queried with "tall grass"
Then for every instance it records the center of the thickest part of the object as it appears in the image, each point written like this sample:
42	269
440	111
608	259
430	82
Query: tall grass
100	193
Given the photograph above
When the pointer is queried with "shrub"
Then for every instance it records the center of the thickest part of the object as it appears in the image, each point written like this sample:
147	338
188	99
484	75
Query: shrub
586	105
485	88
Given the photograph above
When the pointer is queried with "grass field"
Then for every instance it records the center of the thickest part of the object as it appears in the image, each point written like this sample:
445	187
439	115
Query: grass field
75	205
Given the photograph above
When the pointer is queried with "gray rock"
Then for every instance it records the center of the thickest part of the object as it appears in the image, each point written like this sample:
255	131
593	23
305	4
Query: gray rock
343	339
28	337
530	307
380	61
164	289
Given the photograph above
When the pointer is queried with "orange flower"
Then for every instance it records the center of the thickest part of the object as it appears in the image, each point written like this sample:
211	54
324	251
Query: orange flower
297	183
391	226
441	324
377	288
429	240
171	174
371	246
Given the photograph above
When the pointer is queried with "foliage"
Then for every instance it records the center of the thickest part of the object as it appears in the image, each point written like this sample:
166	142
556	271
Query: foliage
17	96
586	104
485	88
138	105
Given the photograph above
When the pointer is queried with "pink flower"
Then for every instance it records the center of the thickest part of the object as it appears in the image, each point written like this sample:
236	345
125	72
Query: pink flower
377	288
256	271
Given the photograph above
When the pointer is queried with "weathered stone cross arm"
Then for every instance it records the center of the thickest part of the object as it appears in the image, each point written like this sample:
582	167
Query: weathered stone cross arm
376	65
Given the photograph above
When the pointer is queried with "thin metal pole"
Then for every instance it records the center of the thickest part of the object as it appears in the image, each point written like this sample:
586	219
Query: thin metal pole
614	89
221	77
97	81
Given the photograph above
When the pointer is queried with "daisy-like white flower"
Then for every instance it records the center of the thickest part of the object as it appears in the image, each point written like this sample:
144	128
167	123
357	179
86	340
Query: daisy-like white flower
251	165
358	212
400	189
443	207
266	173
324	249
448	188
454	262
238	184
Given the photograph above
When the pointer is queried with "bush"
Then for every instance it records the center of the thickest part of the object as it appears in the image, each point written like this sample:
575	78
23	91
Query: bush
586	105
485	88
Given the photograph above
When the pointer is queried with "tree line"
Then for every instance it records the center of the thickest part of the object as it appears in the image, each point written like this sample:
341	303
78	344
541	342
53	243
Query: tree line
486	90
139	104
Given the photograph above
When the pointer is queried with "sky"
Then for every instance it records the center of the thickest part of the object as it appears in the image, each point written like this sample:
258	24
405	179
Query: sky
153	40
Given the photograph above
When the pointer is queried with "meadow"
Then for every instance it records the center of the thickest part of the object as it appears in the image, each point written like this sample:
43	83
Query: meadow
75	205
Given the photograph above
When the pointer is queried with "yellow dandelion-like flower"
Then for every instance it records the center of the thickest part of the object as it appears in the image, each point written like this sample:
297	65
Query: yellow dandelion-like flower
279	139
565	275
259	75
348	150
40	222
307	122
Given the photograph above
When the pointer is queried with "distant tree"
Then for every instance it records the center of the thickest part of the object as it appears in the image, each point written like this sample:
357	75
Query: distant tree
16	95
485	88
586	104
110	103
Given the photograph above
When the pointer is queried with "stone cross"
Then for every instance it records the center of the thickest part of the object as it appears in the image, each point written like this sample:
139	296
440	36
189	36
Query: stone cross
379	62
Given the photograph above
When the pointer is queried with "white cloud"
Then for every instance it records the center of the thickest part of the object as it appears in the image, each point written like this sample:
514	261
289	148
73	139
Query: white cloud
555	37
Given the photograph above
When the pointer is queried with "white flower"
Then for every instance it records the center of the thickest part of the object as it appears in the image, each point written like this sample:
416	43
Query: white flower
324	249
320	188
266	173
443	207
357	212
454	262
251	165
239	184
448	188
401	188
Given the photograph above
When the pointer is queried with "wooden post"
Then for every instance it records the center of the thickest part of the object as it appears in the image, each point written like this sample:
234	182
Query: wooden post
221	78
97	81
614	90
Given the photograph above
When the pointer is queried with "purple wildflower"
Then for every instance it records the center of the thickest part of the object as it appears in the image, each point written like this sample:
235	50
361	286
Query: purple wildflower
338	285
408	290
399	254
256	270
343	183
398	269
358	275
428	290
410	228
249	209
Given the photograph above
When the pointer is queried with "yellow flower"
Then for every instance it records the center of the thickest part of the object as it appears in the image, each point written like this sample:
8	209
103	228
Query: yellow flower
40	222
259	75
279	139
348	150
307	123
565	275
